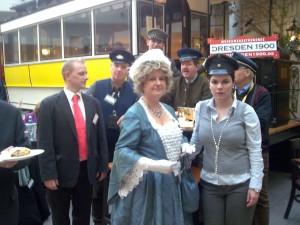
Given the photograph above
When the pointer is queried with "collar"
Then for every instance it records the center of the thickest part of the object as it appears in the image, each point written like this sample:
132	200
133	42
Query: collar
70	94
114	88
187	81
211	103
244	89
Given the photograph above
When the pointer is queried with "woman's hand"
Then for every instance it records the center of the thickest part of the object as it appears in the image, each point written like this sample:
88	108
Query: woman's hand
120	120
252	197
187	148
162	166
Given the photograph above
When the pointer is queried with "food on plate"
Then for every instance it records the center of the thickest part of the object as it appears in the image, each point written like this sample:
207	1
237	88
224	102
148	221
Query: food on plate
20	152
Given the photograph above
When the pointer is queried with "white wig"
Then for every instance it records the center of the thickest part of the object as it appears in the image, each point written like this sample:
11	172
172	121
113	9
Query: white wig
153	55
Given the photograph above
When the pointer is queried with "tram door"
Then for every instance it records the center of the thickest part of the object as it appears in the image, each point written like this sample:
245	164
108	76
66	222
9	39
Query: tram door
177	18
187	26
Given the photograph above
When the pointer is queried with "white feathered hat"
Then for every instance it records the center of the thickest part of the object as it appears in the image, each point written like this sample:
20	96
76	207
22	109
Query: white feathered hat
153	55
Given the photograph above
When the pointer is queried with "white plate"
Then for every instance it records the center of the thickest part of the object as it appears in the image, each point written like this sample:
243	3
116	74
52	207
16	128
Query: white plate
8	158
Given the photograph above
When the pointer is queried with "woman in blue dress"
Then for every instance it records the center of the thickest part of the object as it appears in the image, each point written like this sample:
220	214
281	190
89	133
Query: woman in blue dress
145	181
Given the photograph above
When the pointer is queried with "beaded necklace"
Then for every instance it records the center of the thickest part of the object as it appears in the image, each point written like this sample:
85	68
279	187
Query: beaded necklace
156	113
219	141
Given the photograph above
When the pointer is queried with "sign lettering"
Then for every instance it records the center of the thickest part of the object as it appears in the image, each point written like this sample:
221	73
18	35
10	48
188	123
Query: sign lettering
250	47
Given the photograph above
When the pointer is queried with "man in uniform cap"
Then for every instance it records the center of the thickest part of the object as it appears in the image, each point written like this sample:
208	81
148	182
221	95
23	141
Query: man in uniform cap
116	95
189	88
121	56
157	39
259	98
157	34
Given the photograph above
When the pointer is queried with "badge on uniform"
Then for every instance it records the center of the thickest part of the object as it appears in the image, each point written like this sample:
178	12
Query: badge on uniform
96	117
112	121
110	99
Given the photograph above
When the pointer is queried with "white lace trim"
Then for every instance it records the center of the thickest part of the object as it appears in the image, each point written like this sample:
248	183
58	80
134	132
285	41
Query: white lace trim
171	139
170	135
131	180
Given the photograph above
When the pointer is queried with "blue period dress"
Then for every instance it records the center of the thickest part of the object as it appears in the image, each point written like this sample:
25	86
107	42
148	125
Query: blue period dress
140	197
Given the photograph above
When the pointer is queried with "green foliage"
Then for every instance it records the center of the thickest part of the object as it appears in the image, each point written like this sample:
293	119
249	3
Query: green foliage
288	46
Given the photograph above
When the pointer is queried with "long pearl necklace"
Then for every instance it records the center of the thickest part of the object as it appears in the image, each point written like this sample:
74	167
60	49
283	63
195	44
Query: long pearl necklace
219	141
156	113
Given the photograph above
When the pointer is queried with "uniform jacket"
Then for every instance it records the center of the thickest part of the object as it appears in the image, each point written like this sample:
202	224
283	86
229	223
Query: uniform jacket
182	95
125	98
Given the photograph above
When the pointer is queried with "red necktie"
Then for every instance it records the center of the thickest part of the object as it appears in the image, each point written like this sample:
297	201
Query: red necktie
80	129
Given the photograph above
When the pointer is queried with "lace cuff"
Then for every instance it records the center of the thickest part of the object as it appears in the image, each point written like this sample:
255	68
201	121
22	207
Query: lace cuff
131	180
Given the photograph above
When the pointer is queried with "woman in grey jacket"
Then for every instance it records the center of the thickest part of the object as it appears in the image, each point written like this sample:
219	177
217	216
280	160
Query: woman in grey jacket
229	130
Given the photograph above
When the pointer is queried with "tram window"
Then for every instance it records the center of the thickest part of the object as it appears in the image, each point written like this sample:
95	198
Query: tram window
145	21
195	31
28	44
218	22
112	27
77	35
50	40
204	34
11	50
175	18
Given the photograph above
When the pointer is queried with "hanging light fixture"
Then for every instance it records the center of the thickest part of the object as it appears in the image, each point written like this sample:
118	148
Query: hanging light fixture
161	1
292	30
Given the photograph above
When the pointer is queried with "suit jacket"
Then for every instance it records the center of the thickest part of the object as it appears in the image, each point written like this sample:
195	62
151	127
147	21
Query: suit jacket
12	134
57	136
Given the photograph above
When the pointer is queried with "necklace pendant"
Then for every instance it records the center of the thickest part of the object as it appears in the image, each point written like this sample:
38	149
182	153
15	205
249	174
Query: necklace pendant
156	113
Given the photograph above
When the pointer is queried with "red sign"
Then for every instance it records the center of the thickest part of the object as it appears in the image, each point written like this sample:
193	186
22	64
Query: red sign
249	46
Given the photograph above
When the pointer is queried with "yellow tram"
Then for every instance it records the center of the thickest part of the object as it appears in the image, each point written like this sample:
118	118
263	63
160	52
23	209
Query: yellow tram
36	45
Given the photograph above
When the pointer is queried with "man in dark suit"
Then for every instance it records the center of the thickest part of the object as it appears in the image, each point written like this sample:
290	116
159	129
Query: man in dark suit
12	134
75	153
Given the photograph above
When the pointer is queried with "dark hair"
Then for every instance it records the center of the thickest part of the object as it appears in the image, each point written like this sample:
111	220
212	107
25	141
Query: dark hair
232	76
